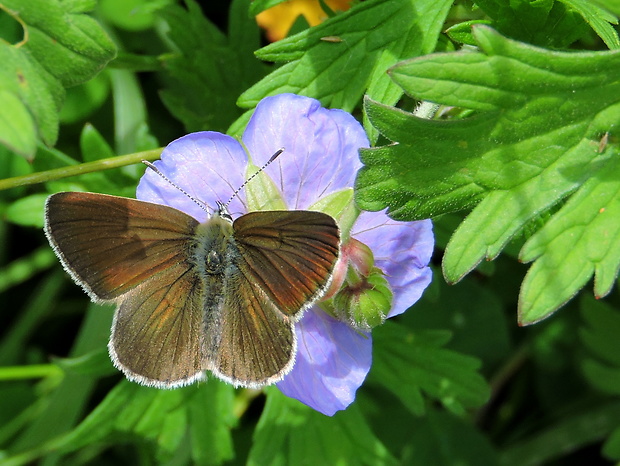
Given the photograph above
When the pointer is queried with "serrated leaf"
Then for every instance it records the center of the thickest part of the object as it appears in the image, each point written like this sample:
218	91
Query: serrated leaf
208	70
581	240
372	36
160	416
408	364
598	19
61	47
533	142
291	433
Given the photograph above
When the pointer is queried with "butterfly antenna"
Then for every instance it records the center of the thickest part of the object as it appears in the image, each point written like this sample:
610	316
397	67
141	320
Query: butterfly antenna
271	159
172	183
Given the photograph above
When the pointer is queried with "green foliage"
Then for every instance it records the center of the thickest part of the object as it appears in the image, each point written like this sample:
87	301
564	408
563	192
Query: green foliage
61	47
520	163
444	375
291	433
193	421
208	70
527	148
372	36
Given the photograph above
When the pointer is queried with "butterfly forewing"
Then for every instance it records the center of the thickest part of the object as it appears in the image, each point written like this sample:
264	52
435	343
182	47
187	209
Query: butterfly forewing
290	255
111	244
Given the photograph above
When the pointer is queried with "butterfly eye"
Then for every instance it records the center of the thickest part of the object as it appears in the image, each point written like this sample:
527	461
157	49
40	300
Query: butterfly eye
213	262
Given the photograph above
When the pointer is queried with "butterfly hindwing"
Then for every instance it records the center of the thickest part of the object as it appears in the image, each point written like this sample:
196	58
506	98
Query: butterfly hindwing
157	335
280	262
255	341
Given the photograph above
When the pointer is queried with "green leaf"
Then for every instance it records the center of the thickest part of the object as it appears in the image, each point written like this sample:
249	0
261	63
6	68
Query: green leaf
581	240
261	5
543	22
611	449
27	211
17	128
409	363
533	143
132	15
599	20
291	433
612	6
563	437
93	146
462	32
83	100
25	267
208	70
61	47
372	35
600	337
95	363
210	421
468	311
63	407
442	439
163	417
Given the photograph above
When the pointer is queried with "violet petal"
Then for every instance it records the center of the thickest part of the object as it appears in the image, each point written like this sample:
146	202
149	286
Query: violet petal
320	147
209	166
332	362
402	250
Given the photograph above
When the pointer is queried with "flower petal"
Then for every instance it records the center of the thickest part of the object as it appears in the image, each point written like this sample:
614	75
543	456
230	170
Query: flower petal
210	166
402	250
320	147
332	362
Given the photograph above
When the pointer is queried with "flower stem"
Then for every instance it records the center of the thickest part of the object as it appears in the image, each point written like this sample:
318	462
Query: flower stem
74	170
33	371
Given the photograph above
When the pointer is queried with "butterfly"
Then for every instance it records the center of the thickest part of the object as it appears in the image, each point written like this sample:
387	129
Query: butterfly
223	295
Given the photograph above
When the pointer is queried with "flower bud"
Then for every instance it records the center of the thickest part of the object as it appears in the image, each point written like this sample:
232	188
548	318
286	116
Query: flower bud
366	303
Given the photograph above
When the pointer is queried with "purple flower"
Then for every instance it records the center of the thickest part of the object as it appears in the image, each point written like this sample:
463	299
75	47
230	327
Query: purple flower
320	159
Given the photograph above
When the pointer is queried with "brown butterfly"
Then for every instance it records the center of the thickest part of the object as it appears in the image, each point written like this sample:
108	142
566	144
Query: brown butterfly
221	295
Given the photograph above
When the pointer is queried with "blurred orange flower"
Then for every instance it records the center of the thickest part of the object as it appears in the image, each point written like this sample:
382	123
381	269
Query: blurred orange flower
277	21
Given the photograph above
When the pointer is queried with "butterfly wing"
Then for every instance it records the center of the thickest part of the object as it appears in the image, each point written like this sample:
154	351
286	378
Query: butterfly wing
111	244
281	262
136	254
288	254
158	331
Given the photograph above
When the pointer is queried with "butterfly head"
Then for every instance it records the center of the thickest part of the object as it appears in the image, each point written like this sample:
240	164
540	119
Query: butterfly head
222	211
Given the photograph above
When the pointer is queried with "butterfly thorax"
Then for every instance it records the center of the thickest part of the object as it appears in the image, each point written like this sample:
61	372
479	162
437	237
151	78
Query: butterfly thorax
211	244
